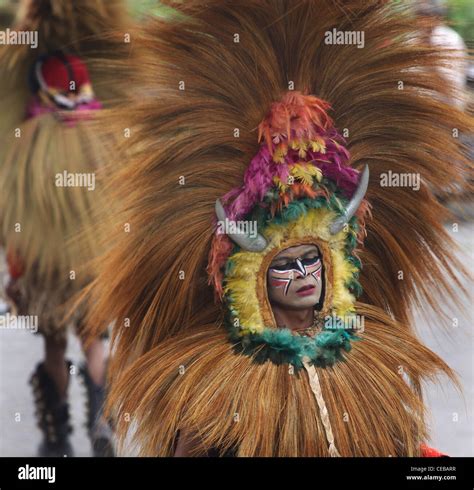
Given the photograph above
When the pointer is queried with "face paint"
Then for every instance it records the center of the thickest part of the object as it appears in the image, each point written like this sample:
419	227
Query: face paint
281	276
294	277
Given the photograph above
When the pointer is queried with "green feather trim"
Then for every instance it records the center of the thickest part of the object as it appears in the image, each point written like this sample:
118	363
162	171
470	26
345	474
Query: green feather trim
282	346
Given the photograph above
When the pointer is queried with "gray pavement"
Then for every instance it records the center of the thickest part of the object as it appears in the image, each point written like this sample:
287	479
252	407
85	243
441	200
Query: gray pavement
451	413
20	351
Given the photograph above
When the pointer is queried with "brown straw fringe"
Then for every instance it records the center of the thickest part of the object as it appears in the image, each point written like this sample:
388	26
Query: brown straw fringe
197	383
190	133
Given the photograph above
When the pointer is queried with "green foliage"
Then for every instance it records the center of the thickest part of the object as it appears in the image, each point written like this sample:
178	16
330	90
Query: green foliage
141	8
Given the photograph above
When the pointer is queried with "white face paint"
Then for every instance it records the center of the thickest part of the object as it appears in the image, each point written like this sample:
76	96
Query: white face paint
294	277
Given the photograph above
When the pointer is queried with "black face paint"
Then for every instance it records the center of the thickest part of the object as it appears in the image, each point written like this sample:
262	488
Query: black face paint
283	275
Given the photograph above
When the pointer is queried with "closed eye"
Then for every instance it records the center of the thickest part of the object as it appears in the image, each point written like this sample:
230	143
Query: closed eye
310	260
282	267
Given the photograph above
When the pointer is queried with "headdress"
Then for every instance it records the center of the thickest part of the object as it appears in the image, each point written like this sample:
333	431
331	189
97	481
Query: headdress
299	188
58	75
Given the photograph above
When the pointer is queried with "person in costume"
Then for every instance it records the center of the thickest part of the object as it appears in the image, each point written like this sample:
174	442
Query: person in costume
444	37
262	292
51	160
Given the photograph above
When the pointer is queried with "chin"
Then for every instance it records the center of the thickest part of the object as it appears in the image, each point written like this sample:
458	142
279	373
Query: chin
305	302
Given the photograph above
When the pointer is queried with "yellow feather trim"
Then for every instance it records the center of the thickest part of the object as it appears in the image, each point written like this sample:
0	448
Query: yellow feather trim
241	280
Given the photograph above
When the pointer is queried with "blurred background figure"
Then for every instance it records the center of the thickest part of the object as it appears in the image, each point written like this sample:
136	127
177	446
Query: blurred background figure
441	35
51	158
434	17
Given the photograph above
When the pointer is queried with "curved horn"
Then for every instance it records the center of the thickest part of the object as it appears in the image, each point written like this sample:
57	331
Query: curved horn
338	224
241	238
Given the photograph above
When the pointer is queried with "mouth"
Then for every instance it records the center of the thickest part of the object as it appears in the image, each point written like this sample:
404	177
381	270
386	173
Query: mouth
306	290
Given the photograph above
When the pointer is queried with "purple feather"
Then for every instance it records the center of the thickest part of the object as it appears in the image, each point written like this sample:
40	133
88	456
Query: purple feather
258	178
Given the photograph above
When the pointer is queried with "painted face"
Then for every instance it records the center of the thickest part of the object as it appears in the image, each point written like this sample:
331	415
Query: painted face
294	278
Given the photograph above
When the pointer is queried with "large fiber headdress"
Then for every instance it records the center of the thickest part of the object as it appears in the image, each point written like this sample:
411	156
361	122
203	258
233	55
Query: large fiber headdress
299	188
211	77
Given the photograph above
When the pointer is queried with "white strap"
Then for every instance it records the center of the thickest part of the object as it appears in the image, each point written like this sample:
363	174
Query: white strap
323	411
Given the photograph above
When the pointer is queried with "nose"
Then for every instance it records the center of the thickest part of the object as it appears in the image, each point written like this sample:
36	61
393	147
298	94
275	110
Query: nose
301	268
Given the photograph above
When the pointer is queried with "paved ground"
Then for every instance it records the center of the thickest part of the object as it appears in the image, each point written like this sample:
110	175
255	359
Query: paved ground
20	351
452	413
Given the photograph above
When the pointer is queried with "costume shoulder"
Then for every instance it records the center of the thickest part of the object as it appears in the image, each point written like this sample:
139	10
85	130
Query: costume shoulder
201	383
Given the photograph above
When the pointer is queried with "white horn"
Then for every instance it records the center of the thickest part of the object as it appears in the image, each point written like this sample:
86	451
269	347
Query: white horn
241	238
338	224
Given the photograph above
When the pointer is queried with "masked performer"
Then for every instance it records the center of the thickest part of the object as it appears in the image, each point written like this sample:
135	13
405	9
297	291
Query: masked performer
262	285
50	158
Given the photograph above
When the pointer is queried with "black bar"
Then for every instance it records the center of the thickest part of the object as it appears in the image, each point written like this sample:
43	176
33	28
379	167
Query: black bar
319	473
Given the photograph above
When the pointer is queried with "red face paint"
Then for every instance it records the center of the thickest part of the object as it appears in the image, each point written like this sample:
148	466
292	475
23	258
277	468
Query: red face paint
282	276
